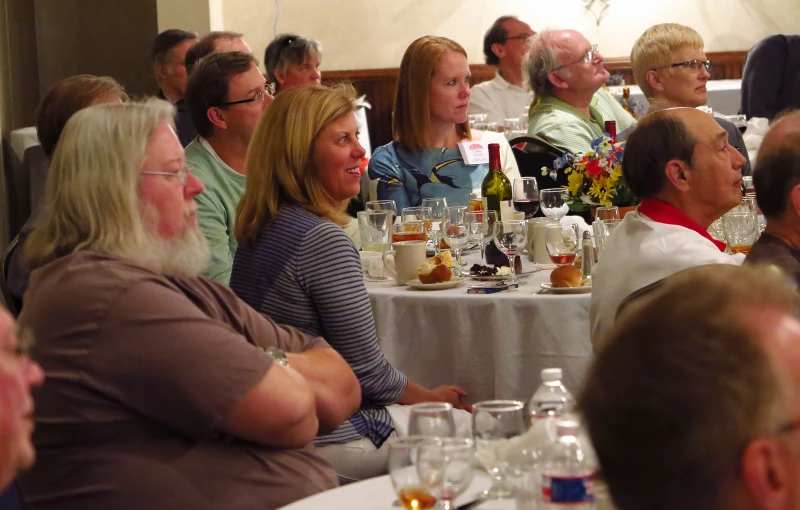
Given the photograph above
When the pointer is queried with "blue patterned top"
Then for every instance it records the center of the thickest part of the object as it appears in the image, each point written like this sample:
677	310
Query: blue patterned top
305	272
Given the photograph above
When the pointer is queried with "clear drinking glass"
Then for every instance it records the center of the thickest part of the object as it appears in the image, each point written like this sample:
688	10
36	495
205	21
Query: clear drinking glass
456	232
740	228
602	231
453	456
410	230
562	243
481	224
606	213
526	196
494	423
416	478
422	214
438	207
480	121
431	419
374	228
510	237
492	126
510	128
382	205
553	203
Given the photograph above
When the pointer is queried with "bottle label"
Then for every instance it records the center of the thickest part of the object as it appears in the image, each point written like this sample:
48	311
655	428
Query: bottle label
568	489
506	210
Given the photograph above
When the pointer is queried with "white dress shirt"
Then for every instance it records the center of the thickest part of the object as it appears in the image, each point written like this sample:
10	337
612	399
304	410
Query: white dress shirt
642	251
499	99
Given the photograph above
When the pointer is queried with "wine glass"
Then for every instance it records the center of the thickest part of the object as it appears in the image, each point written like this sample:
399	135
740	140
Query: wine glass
382	205
422	214
480	121
481	224
453	457
606	213
431	419
553	203
526	196
510	237
562	243
740	228
456	232
416	481
494	423
438	206
510	127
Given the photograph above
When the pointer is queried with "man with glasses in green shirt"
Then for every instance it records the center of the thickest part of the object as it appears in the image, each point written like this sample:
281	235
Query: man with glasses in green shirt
226	96
566	75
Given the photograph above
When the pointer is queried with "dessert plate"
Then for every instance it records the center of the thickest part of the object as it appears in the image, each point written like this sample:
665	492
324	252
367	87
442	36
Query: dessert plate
454	282
548	287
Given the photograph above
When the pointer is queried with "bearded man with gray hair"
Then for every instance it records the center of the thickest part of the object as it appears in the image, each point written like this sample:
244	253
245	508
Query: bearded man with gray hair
164	390
566	74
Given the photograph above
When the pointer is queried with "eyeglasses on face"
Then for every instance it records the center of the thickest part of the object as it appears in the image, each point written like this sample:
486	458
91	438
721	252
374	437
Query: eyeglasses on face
258	98
181	174
693	64
521	37
588	57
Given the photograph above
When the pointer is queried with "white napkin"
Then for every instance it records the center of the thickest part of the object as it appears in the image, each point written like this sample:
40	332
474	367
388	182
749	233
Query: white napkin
375	267
577	220
400	415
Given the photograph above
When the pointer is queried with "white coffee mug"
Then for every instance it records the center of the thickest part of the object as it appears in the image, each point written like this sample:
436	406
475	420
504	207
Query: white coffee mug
403	260
537	247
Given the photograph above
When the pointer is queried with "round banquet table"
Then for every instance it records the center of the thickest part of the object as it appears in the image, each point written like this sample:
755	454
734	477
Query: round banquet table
492	345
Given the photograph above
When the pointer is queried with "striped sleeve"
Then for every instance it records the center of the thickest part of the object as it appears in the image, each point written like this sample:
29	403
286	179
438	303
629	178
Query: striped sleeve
328	268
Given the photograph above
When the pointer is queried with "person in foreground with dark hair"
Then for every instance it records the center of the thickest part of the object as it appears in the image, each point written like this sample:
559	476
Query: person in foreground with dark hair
679	163
505	96
169	66
777	183
693	403
164	390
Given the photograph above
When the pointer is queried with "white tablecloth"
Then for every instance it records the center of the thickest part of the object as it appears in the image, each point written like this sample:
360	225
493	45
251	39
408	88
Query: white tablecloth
378	494
493	345
724	96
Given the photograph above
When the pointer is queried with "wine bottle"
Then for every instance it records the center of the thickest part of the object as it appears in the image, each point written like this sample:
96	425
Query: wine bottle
496	195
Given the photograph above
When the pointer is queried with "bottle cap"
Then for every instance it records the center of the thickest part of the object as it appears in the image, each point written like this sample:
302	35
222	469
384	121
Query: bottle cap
551	374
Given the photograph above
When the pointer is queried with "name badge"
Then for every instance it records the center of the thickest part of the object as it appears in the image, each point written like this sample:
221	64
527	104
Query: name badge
474	152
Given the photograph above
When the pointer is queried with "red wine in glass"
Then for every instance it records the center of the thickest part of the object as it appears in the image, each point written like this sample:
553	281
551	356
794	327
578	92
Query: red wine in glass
528	206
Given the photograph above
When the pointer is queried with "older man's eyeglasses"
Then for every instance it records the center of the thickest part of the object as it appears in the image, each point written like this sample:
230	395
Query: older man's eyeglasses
257	99
521	37
693	64
588	57
180	175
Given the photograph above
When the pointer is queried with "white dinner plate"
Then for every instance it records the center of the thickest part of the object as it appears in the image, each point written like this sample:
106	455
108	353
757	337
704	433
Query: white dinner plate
501	277
567	290
454	282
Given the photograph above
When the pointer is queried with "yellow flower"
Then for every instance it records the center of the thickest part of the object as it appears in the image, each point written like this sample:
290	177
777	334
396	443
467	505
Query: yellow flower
575	180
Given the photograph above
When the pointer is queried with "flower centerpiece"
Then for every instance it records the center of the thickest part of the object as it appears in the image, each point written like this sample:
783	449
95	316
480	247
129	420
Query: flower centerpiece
595	178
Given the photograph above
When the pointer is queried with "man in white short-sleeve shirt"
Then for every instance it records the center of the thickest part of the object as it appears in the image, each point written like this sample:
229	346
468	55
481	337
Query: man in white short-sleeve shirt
679	162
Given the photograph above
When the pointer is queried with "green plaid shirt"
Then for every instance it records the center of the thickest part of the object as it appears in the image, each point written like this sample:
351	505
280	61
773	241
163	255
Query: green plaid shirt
564	126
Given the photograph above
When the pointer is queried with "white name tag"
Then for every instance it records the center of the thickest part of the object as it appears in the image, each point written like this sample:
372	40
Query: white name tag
474	152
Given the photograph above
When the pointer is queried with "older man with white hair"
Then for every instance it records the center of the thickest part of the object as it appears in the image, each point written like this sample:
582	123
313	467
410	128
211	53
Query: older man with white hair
164	389
566	75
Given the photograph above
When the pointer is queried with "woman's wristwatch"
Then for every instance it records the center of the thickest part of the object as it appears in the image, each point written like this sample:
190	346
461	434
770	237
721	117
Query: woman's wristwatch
278	355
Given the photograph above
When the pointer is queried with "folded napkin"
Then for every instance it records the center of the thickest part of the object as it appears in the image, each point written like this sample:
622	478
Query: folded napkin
577	220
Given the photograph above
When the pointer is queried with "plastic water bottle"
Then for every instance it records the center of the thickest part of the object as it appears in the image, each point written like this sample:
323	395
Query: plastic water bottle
568	471
552	399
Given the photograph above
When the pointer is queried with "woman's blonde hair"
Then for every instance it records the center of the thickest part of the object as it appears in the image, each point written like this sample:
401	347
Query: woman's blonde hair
655	48
91	196
279	160
411	119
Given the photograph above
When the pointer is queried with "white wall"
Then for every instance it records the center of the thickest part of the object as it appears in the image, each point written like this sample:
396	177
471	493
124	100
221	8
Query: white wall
368	34
191	15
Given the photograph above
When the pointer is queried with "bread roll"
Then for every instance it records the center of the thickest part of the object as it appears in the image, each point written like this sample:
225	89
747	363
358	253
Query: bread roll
566	276
433	273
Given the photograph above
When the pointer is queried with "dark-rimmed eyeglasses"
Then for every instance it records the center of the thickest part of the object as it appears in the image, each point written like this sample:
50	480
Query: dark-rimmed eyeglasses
588	57
693	64
181	174
521	37
258	98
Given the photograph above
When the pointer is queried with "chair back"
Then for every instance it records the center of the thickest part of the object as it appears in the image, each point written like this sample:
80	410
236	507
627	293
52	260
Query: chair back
11	498
532	153
13	304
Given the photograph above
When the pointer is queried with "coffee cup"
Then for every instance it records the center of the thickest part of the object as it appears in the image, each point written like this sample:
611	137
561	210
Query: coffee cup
403	260
537	246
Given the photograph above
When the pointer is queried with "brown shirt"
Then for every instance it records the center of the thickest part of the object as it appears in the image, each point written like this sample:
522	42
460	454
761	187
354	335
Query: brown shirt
772	250
141	369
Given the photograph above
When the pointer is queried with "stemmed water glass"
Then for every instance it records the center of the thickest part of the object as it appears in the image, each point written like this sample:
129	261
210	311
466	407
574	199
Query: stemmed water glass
481	224
562	243
453	457
526	196
438	207
456	232
382	205
431	419
494	423
553	203
510	238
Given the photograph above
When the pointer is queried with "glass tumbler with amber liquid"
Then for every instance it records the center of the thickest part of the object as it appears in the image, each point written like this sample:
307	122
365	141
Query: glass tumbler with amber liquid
740	228
415	479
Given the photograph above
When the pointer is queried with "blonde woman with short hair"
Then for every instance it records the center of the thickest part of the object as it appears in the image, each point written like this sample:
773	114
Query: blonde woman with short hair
296	264
428	123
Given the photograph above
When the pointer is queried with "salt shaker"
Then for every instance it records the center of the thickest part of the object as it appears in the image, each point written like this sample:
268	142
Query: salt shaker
587	255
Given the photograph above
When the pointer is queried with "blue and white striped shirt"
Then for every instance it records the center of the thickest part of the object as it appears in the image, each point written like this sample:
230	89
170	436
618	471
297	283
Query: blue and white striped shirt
305	272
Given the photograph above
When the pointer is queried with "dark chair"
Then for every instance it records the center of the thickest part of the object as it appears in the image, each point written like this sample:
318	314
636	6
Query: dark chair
11	498
13	304
532	153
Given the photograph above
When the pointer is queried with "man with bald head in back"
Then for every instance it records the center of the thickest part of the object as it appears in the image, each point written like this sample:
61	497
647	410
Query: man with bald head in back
679	163
777	183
